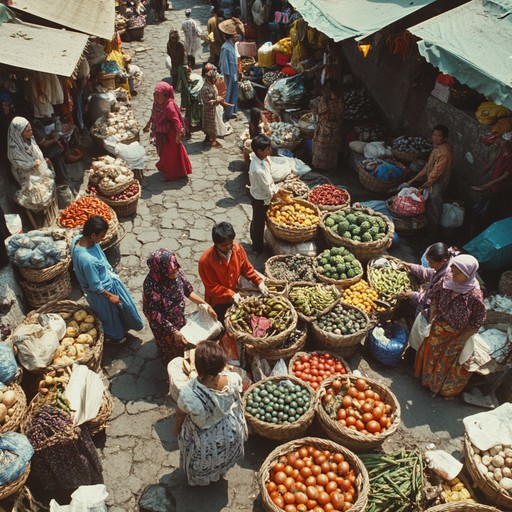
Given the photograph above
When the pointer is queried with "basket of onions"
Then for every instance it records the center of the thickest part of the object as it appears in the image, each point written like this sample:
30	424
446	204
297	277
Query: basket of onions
124	203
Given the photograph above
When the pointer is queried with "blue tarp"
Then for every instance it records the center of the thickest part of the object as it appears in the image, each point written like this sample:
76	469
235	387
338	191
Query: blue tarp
344	19
472	43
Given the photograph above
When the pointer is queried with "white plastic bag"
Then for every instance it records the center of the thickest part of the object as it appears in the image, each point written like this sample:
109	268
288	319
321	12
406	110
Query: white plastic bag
280	369
177	377
377	149
133	154
36	345
87	498
55	322
419	331
443	464
280	247
452	216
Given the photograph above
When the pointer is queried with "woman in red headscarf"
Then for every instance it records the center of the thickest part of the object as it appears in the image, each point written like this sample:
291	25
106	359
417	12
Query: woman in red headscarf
167	130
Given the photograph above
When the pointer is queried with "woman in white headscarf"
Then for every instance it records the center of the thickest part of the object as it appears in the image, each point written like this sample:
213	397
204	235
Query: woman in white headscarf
27	164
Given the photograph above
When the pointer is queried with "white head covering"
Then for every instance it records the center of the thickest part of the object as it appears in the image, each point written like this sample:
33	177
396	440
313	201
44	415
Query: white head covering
507	136
21	153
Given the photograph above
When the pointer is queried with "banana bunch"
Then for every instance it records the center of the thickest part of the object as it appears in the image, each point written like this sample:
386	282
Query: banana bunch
454	491
283	45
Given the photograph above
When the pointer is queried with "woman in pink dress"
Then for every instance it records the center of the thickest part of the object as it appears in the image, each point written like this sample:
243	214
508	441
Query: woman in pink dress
167	130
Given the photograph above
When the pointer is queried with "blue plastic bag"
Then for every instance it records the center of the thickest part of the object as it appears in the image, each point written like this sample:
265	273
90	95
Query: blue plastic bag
388	351
493	247
15	461
8	366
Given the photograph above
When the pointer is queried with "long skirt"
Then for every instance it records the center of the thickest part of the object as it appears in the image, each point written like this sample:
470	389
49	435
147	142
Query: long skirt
174	162
437	361
168	348
116	320
207	454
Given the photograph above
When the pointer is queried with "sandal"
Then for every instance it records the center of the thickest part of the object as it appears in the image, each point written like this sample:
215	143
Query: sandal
216	144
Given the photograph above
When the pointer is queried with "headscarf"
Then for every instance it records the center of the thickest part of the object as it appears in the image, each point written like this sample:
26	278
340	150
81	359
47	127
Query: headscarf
21	153
160	263
468	265
212	74
162	115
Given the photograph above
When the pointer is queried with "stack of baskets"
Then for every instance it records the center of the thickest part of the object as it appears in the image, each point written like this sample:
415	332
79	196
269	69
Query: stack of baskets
107	81
406	225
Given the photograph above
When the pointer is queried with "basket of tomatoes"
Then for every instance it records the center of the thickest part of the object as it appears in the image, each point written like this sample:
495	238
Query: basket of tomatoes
315	367
279	408
359	413
313	474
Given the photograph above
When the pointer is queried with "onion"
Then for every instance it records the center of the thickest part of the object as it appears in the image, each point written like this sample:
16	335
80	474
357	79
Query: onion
486	460
498	461
505	483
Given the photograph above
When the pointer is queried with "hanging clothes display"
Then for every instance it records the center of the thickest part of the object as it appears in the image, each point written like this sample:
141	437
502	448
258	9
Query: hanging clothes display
43	91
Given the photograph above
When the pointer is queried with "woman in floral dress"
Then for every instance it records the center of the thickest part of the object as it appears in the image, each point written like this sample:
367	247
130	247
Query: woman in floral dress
210	423
165	289
457	311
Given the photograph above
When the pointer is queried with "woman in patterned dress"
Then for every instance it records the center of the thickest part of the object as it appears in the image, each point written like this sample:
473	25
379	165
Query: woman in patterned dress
165	289
210	99
210	424
457	312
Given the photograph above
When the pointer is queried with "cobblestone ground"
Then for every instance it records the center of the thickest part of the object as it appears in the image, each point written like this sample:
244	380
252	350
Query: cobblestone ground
138	448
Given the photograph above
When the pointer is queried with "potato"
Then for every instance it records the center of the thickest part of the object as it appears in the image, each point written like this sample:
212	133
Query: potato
63	360
94	333
90	319
85	327
9	398
72	331
11	411
71	351
65	342
80	315
3	413
85	339
65	316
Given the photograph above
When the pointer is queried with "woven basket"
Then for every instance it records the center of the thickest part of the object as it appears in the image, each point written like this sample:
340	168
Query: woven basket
407	225
345	346
290	145
298	355
15	486
115	189
39	294
339	283
107	81
126	207
11	423
136	34
505	286
497	317
462	507
332	208
304	317
362	483
281	257
379	186
274	354
490	488
353	439
283	431
291	233
92	358
99	423
260	343
363	251
409	157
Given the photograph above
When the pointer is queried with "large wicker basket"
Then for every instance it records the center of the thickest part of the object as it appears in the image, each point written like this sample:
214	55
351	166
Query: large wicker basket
39	294
404	224
282	257
339	283
345	346
12	422
274	354
298	355
92	358
490	488
409	157
379	186
107	81
283	431
260	343
330	207
353	439
125	207
116	188
362	482
505	285
303	284
291	233
363	251
15	486
99	423
462	506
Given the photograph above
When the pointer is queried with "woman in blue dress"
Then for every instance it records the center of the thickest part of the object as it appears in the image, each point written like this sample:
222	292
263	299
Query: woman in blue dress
106	294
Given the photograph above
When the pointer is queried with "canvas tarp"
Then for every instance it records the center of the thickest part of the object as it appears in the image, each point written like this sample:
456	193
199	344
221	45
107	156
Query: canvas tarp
41	48
472	43
93	17
344	19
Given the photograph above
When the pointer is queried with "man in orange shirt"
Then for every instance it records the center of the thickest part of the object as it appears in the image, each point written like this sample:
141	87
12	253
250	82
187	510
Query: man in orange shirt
220	268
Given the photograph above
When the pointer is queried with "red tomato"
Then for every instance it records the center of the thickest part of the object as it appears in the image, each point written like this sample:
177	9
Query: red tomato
336	384
323	498
373	427
280	477
337	500
347	401
312	492
289	497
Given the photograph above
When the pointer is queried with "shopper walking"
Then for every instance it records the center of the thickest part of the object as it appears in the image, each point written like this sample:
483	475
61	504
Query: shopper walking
175	58
193	37
214	35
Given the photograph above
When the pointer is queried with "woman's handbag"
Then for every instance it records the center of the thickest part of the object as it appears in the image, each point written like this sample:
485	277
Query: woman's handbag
419	331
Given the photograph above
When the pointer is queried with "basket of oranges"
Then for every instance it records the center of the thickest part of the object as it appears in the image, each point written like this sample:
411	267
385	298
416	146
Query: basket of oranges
293	220
363	296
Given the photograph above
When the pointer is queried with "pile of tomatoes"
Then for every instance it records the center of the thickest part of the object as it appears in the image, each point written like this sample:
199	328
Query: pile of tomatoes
357	406
313	480
314	368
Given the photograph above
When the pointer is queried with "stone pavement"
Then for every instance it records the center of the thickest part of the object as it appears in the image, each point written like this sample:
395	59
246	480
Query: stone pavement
138	448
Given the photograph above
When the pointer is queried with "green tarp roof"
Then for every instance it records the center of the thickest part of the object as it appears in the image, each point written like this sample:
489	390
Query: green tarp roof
473	43
344	19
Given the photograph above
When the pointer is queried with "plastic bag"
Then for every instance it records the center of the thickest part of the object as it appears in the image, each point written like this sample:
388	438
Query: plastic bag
419	331
280	247
452	216
280	369
36	345
377	149
87	498
15	454
287	91
64	196
177	377
8	366
200	326
133	154
36	193
387	343
443	464
408	202
55	322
